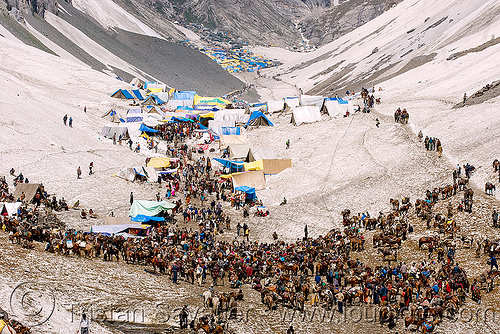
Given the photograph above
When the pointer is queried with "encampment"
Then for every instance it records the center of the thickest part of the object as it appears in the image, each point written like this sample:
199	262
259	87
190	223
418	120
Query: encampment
153	100
122	94
29	190
305	114
254	179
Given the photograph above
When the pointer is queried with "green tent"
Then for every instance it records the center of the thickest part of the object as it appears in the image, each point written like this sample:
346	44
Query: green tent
149	208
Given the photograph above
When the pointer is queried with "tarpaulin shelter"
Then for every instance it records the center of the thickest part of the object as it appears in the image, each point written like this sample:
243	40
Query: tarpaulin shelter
115	229
234	166
230	117
275	106
137	83
149	208
238	151
155	110
184	95
305	114
226	140
208	100
251	195
154	86
29	190
269	166
226	130
257	118
122	94
158	162
134	115
292	101
143	219
257	153
111	116
254	179
137	94
145	128
118	130
311	100
335	106
9	209
153	100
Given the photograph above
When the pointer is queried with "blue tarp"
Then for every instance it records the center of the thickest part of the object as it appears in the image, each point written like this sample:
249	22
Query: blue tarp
144	218
137	118
206	107
338	99
257	114
248	190
137	94
145	128
186	95
184	108
234	166
125	92
230	130
180	119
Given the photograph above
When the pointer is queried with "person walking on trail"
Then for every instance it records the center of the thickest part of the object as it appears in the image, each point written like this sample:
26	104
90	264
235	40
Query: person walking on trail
465	98
439	150
78	172
84	325
91	166
131	198
493	263
494	216
70	122
65	119
306	233
288	144
85	109
378	122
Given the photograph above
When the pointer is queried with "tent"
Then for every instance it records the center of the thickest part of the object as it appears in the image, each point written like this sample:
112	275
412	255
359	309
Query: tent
275	106
134	115
155	110
335	106
9	208
258	153
257	118
131	173
155	86
311	100
114	229
143	219
184	95
149	208
137	94
214	101
305	114
158	162
292	102
238	151
248	190
122	94
269	166
145	128
254	179
226	130
111	116
226	140
29	190
137	82
118	130
153	100
234	166
231	116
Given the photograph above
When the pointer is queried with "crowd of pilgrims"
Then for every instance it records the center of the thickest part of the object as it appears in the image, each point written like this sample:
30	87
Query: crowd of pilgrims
319	271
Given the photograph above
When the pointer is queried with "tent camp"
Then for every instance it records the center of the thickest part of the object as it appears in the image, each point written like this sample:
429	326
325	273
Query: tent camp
142	173
257	118
248	190
253	179
275	106
257	153
9	209
238	151
305	114
335	106
111	116
149	208
122	94
29	190
292	102
311	100
118	130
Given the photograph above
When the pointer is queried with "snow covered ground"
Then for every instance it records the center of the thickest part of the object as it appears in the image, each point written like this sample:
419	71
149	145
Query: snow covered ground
338	163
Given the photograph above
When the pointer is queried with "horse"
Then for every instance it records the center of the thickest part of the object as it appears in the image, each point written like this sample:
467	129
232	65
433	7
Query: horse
207	297
489	188
462	183
428	327
269	301
425	240
208	329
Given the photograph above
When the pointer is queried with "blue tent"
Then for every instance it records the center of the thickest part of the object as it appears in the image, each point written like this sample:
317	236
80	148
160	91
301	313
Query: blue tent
338	99
122	94
248	190
234	166
231	130
137	94
257	118
146	129
144	218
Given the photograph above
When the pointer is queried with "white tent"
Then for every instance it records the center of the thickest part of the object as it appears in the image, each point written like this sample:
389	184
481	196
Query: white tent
130	173
118	130
231	116
258	153
311	100
305	114
238	151
335	107
11	208
226	140
292	102
275	106
173	104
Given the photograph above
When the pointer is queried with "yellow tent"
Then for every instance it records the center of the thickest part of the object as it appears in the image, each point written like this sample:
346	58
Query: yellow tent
215	101
159	162
256	165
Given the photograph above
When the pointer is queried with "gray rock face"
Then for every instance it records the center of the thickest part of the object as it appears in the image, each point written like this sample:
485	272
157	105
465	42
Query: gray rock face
31	6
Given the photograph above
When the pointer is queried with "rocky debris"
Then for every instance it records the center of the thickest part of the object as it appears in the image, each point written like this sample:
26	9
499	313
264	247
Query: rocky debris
486	93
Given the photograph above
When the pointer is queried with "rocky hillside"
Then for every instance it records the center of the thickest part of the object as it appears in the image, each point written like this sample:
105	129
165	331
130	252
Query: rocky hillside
31	6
